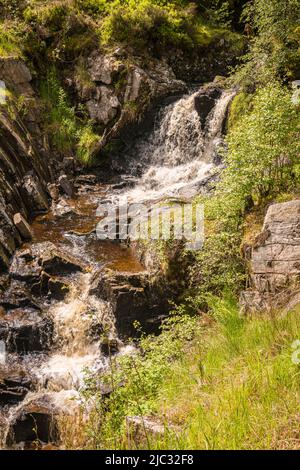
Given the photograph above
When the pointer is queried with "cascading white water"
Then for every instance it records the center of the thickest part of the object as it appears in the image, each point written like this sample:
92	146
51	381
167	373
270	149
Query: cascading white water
75	351
179	153
176	159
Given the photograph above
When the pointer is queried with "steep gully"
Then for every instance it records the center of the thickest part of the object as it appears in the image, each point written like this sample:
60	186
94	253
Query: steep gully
69	297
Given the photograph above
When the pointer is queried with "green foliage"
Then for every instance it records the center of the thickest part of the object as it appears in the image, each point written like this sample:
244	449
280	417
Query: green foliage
242	388
274	46
142	22
68	28
241	104
262	162
61	116
263	150
220	13
135	380
9	41
52	14
221	379
68	133
87	143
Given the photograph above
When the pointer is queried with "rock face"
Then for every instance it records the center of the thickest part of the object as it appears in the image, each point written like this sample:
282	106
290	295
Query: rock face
133	298
25	330
14	386
275	260
117	94
23	157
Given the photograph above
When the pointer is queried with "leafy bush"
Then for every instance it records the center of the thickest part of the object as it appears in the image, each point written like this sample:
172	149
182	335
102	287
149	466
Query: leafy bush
135	380
51	15
263	150
262	162
9	40
275	39
142	22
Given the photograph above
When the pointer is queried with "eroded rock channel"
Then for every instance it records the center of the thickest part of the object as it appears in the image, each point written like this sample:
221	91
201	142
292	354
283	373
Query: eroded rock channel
69	299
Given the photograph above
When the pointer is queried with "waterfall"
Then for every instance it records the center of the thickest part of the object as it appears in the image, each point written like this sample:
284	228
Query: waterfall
180	151
176	161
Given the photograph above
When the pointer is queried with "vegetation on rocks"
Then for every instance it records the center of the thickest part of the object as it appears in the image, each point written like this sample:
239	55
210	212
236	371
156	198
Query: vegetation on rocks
212	379
67	129
218	381
228	383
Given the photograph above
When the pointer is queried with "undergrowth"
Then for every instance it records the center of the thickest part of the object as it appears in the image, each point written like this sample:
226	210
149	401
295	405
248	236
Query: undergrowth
219	381
68	131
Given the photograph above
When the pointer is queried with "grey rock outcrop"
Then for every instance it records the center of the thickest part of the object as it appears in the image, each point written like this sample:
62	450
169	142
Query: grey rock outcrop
23	157
133	298
117	94
275	260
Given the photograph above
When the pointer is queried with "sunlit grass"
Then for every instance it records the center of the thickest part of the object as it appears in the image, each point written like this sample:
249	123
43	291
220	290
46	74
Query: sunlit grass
237	388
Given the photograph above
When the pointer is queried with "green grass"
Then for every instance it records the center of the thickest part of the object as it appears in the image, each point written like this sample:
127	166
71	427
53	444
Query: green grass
247	394
223	381
9	41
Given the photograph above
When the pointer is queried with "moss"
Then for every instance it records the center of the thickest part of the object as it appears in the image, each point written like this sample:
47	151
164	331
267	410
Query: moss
241	104
87	143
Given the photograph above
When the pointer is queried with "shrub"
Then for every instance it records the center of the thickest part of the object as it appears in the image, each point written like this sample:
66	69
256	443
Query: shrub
51	15
9	40
262	162
274	46
135	381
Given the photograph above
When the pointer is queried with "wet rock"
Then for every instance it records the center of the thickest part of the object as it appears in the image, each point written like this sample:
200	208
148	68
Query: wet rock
109	346
32	265
57	263
25	330
133	298
66	185
24	166
275	260
36	195
14	386
57	289
40	288
83	180
53	191
16	295
205	101
35	421
69	165
23	226
25	266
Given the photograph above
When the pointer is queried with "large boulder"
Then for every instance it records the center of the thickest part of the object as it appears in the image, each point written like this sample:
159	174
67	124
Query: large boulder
133	298
25	330
275	260
14	385
38	420
24	166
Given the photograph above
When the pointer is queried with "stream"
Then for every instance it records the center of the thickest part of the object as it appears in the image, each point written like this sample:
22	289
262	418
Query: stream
53	314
